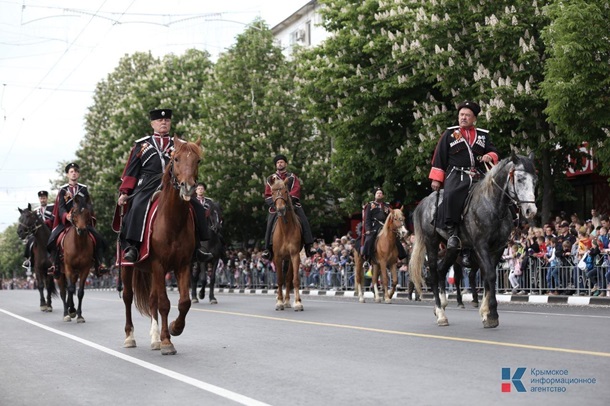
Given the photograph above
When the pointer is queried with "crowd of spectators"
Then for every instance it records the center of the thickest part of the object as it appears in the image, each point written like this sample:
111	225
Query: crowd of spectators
546	259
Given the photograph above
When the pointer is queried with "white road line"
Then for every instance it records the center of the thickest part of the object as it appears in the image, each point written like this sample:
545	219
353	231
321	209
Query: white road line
225	393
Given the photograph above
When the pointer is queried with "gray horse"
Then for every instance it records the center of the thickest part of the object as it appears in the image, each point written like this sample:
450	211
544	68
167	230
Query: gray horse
486	226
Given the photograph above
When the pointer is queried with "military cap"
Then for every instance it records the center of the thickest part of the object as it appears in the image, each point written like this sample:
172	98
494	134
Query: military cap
475	108
43	193
72	165
278	157
160	113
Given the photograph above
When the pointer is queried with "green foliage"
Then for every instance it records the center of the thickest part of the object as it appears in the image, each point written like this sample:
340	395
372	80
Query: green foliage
250	114
577	72
11	253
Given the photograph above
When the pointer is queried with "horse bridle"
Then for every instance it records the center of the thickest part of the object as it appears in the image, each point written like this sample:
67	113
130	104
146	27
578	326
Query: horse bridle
31	230
511	180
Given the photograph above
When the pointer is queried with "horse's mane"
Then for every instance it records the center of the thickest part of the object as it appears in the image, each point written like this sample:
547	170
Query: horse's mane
386	225
486	186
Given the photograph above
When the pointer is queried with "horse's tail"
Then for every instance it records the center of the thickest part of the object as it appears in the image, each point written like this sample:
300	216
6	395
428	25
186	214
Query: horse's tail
142	282
418	252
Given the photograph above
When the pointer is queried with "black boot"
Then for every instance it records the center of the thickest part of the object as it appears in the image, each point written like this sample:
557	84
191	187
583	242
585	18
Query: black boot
131	254
267	254
453	242
310	252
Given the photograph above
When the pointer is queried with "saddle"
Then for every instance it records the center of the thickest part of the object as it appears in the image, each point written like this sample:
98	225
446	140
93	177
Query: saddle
148	229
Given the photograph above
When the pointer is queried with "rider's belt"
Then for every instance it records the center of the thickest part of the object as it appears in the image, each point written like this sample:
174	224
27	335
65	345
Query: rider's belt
472	172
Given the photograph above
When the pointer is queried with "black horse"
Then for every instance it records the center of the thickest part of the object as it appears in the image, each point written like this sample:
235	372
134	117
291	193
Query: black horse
215	245
30	224
486	225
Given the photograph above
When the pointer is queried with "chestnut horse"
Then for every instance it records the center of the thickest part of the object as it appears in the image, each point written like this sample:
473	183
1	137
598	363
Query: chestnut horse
78	249
287	245
172	244
385	256
30	223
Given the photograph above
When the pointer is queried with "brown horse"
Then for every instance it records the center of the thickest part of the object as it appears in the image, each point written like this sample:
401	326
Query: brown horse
287	245
386	256
30	224
78	249
172	244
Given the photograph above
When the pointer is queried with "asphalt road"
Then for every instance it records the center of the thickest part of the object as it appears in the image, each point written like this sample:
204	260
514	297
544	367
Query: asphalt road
337	351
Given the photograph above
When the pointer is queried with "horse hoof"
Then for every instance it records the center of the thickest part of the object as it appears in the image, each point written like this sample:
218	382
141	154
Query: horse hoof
361	300
491	323
377	300
129	343
168	349
201	294
287	306
80	320
442	322
73	315
388	301
298	307
279	307
43	308
475	304
67	318
49	309
153	346
174	331
461	305
213	301
195	300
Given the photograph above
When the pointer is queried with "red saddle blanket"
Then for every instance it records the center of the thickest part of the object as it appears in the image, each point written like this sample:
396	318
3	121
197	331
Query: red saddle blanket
144	250
62	236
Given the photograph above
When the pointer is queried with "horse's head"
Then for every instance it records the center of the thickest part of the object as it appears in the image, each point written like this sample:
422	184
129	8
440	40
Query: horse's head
28	222
396	221
279	193
184	167
81	214
522	181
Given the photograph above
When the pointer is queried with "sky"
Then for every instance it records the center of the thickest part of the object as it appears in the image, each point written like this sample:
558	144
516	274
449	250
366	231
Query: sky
54	52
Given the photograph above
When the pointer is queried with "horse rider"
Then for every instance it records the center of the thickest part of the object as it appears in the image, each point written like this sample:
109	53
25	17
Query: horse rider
62	220
459	159
45	213
374	216
293	186
141	177
207	204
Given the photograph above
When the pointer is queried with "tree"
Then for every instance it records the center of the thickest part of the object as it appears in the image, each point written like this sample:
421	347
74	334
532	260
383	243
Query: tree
249	114
577	73
11	253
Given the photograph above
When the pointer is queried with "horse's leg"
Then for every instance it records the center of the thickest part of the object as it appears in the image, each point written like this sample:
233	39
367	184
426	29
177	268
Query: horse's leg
213	282
203	269
43	303
296	282
439	310
383	270
377	297
472	281
81	295
176	327
489	307
288	280
458	275
50	286
194	281
63	294
159	332
127	281
359	275
393	270
279	300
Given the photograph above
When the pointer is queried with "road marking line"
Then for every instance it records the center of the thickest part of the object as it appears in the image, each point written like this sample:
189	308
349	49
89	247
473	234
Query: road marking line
420	335
224	393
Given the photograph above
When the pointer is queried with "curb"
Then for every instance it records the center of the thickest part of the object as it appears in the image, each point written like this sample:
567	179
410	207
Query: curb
501	298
